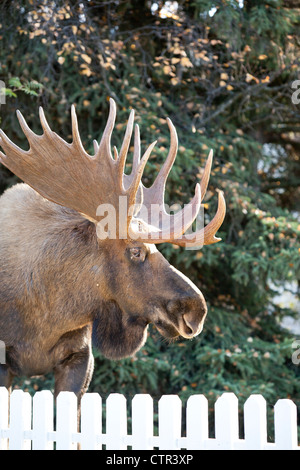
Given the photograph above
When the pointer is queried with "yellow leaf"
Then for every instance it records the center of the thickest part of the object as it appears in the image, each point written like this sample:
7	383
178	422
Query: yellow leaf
38	32
250	77
175	60
229	87
177	50
262	57
174	81
85	71
61	60
222	83
224	76
86	58
185	62
86	103
167	69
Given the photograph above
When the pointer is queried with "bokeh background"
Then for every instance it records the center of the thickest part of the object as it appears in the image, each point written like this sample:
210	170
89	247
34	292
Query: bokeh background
227	73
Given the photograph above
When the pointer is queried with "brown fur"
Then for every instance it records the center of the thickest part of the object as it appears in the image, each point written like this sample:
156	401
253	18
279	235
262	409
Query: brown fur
59	286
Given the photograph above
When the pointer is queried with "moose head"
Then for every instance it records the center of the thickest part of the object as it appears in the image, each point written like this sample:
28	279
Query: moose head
104	225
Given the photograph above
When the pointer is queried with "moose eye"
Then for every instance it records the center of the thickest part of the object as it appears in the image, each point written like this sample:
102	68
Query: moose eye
137	254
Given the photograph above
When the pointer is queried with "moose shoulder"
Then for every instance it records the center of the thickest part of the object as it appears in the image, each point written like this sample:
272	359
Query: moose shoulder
62	286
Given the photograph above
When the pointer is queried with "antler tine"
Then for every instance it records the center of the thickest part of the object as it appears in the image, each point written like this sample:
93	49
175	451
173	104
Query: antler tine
137	176
43	120
137	148
106	136
206	174
96	145
205	236
124	148
166	168
155	194
6	143
75	130
127	179
25	128
214	225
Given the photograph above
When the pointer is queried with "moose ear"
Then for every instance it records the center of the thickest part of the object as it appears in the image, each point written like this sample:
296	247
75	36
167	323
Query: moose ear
115	334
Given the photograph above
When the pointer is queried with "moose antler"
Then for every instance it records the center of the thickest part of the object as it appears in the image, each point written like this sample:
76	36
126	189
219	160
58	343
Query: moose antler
177	224
67	175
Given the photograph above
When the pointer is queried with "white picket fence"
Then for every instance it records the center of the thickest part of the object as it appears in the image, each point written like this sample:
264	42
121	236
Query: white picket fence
28	423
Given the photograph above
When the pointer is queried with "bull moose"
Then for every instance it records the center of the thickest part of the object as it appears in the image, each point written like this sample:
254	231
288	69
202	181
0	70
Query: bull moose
64	284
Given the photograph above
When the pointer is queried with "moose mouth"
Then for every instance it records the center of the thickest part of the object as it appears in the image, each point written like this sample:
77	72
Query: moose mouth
183	328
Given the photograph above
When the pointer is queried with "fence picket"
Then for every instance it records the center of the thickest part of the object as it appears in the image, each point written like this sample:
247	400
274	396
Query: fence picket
255	422
42	423
197	422
116	422
3	417
169	422
66	421
142	422
285	416
91	421
226	421
20	420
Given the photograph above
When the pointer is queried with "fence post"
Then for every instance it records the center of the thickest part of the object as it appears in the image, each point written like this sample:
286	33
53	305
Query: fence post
142	422
255	422
169	422
42	420
20	420
226	421
66	420
91	421
285	416
3	416
197	422
116	422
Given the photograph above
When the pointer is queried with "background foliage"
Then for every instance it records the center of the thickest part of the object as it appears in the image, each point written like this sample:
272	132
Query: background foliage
222	71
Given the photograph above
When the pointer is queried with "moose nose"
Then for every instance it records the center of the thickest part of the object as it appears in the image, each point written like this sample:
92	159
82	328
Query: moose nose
190	314
192	323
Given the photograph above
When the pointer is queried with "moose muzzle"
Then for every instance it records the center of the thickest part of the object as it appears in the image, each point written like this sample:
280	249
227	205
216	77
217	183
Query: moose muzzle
188	315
